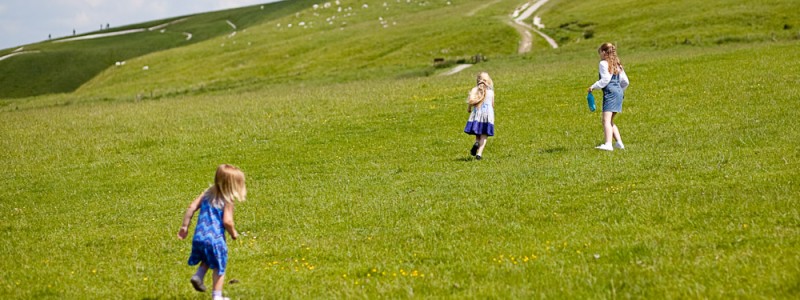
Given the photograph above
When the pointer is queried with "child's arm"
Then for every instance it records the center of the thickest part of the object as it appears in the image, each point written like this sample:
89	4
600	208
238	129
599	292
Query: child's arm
227	220
469	107
623	80
605	77
187	217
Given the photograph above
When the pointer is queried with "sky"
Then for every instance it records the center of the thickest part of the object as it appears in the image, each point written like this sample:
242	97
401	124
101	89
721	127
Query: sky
29	21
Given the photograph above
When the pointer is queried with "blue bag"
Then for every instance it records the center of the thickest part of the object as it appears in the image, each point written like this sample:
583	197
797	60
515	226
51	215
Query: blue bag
590	101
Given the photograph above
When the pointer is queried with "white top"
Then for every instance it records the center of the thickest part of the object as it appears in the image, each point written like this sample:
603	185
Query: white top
485	112
605	77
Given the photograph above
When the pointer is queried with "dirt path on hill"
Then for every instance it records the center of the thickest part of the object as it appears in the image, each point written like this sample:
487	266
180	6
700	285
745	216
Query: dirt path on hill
456	69
527	38
518	22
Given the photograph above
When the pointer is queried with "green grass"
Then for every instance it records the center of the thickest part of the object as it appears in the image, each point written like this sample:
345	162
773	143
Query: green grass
361	184
62	67
658	24
356	47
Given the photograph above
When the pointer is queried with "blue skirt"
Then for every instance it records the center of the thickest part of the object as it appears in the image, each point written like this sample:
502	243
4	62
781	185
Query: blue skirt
479	128
612	96
213	255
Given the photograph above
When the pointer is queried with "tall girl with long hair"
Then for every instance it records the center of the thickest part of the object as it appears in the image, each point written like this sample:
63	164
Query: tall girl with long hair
481	113
613	81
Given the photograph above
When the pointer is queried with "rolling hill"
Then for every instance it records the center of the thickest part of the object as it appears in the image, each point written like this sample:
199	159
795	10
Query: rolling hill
360	182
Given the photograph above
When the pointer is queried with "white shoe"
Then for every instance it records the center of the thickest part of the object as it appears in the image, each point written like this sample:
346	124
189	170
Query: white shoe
605	147
619	145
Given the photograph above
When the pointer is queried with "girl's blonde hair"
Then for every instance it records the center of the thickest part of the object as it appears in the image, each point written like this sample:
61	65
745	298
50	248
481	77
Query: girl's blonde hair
228	185
609	53
478	94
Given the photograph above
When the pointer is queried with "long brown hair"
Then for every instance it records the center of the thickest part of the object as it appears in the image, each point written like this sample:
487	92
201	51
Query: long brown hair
478	94
608	52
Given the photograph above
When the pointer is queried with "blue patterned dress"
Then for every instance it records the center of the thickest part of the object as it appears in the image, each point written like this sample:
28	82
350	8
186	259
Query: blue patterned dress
481	119
208	243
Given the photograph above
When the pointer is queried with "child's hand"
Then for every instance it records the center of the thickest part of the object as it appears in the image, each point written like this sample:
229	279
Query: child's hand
589	90
183	233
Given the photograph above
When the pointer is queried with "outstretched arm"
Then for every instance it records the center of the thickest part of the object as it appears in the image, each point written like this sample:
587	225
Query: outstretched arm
187	217
227	220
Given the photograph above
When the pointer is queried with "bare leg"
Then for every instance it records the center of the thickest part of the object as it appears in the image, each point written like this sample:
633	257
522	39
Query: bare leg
482	143
608	128
614	128
219	281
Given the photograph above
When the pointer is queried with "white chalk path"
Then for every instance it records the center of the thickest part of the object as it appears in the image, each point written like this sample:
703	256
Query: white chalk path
157	27
232	34
518	22
457	69
18	52
522	27
526	43
123	32
547	38
231	23
100	35
528	12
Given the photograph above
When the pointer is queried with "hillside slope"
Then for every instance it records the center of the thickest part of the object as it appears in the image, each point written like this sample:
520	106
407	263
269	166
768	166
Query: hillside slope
360	182
63	65
351	41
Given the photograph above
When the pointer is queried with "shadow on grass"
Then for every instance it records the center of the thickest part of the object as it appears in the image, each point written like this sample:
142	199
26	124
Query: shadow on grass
553	150
465	159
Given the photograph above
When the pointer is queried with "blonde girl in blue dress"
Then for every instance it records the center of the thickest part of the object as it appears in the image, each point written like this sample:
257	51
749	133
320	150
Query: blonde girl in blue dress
209	248
481	113
613	81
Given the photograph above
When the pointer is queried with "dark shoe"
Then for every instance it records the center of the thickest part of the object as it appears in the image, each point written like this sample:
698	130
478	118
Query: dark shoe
478	157
474	149
197	283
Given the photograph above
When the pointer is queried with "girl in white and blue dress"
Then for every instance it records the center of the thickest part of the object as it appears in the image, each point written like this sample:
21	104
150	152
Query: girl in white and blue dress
481	113
613	81
209	248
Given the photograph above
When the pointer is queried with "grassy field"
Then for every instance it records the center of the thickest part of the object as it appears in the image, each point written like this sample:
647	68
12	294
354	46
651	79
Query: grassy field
361	186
